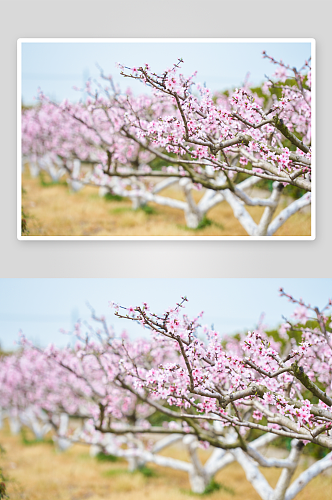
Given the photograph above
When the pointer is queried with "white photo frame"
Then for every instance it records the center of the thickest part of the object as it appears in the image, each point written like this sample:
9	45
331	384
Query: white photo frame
128	41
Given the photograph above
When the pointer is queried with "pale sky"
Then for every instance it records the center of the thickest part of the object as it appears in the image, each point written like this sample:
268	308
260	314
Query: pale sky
41	307
57	67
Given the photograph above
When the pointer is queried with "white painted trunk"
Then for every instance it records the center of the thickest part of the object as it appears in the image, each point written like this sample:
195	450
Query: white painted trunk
138	202
32	423
135	463
34	168
198	476
198	481
14	424
287	474
192	218
269	210
306	476
285	214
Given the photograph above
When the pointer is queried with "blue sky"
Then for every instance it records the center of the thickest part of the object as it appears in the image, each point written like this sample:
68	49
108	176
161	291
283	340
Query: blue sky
40	307
57	67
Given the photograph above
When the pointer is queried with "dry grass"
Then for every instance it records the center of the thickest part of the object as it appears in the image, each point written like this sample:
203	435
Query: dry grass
55	211
38	472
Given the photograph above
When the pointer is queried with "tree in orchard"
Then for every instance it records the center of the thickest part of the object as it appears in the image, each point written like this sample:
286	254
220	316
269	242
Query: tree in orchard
251	384
58	138
223	143
38	133
36	392
238	134
97	362
59	386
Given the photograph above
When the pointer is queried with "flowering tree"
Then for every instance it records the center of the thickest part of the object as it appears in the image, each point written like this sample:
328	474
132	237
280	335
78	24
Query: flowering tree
67	137
222	143
252	384
37	393
214	141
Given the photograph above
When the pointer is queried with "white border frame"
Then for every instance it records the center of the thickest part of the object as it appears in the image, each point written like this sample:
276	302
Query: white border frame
20	41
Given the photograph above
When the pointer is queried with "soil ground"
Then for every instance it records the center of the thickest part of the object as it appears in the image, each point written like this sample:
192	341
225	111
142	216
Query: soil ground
53	210
36	471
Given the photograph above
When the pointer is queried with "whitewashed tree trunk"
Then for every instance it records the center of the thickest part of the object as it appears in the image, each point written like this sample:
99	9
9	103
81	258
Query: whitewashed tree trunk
285	214
306	476
34	168
14	424
198	476
54	168
107	446
192	213
253	474
138	202
283	490
135	463
37	426
269	210
61	439
75	168
287	474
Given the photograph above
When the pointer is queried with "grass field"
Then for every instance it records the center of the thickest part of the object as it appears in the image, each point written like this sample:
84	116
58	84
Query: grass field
38	472
53	210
